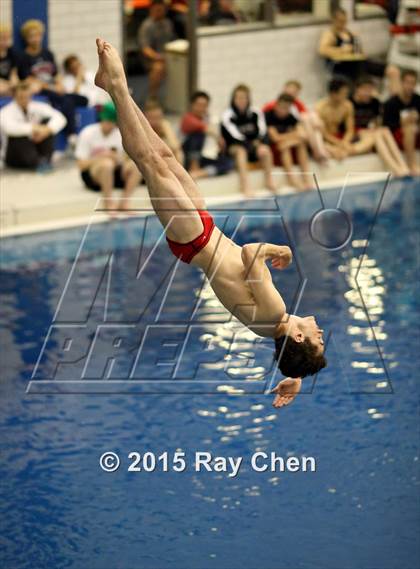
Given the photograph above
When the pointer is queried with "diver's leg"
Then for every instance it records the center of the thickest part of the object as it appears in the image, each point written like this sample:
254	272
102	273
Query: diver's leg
172	205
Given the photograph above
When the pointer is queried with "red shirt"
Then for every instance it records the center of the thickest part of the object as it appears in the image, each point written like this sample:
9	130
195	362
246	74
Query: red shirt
298	104
191	123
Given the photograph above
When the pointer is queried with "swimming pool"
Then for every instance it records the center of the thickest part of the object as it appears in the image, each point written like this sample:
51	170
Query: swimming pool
359	510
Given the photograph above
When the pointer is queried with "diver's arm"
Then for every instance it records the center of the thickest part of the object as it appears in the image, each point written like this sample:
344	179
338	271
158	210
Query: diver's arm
268	300
255	255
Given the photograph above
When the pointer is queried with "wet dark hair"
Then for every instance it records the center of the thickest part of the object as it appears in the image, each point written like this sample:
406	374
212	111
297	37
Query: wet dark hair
298	359
337	83
199	95
285	98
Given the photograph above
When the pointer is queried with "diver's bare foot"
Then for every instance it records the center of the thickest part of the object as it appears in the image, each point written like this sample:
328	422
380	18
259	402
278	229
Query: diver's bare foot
110	72
286	391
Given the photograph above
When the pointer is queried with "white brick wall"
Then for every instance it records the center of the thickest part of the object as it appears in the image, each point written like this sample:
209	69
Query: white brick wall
74	25
266	59
6	12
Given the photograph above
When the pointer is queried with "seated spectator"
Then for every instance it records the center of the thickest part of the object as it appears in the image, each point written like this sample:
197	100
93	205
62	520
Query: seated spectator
196	128
81	83
28	128
37	66
8	63
245	133
367	115
154	114
309	120
337	115
343	52
402	116
155	32
102	162
223	13
286	136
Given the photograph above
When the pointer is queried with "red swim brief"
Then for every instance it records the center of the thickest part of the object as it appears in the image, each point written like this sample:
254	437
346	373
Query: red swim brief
186	251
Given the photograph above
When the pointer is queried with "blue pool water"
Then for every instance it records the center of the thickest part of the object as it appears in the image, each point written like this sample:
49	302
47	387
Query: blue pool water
358	418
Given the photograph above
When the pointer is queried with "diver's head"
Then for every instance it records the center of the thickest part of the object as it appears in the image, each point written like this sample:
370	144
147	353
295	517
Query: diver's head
301	345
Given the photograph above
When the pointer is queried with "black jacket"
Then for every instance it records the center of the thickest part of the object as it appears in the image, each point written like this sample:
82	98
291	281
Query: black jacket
243	128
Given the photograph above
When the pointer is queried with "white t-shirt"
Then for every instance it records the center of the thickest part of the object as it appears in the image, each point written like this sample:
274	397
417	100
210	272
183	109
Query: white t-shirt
88	89
92	142
14	122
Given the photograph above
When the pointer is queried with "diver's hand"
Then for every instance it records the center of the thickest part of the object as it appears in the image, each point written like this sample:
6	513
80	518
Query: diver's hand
286	391
281	257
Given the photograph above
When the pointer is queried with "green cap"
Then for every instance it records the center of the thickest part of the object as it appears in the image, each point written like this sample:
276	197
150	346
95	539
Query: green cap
108	113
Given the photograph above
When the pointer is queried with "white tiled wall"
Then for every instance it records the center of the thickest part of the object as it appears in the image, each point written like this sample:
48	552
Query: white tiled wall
74	25
6	12
266	59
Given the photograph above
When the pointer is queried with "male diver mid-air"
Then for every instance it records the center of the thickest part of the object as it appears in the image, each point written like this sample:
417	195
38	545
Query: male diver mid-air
238	275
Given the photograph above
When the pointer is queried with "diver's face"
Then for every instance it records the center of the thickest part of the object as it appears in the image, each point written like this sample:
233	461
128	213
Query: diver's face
309	327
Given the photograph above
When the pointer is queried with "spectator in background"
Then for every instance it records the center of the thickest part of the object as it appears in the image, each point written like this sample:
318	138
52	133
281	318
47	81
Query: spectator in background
8	63
341	48
245	133
196	129
28	128
223	12
402	116
344	55
102	162
367	115
81	83
287	137
203	12
177	13
309	120
37	66
155	32
154	114
337	115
